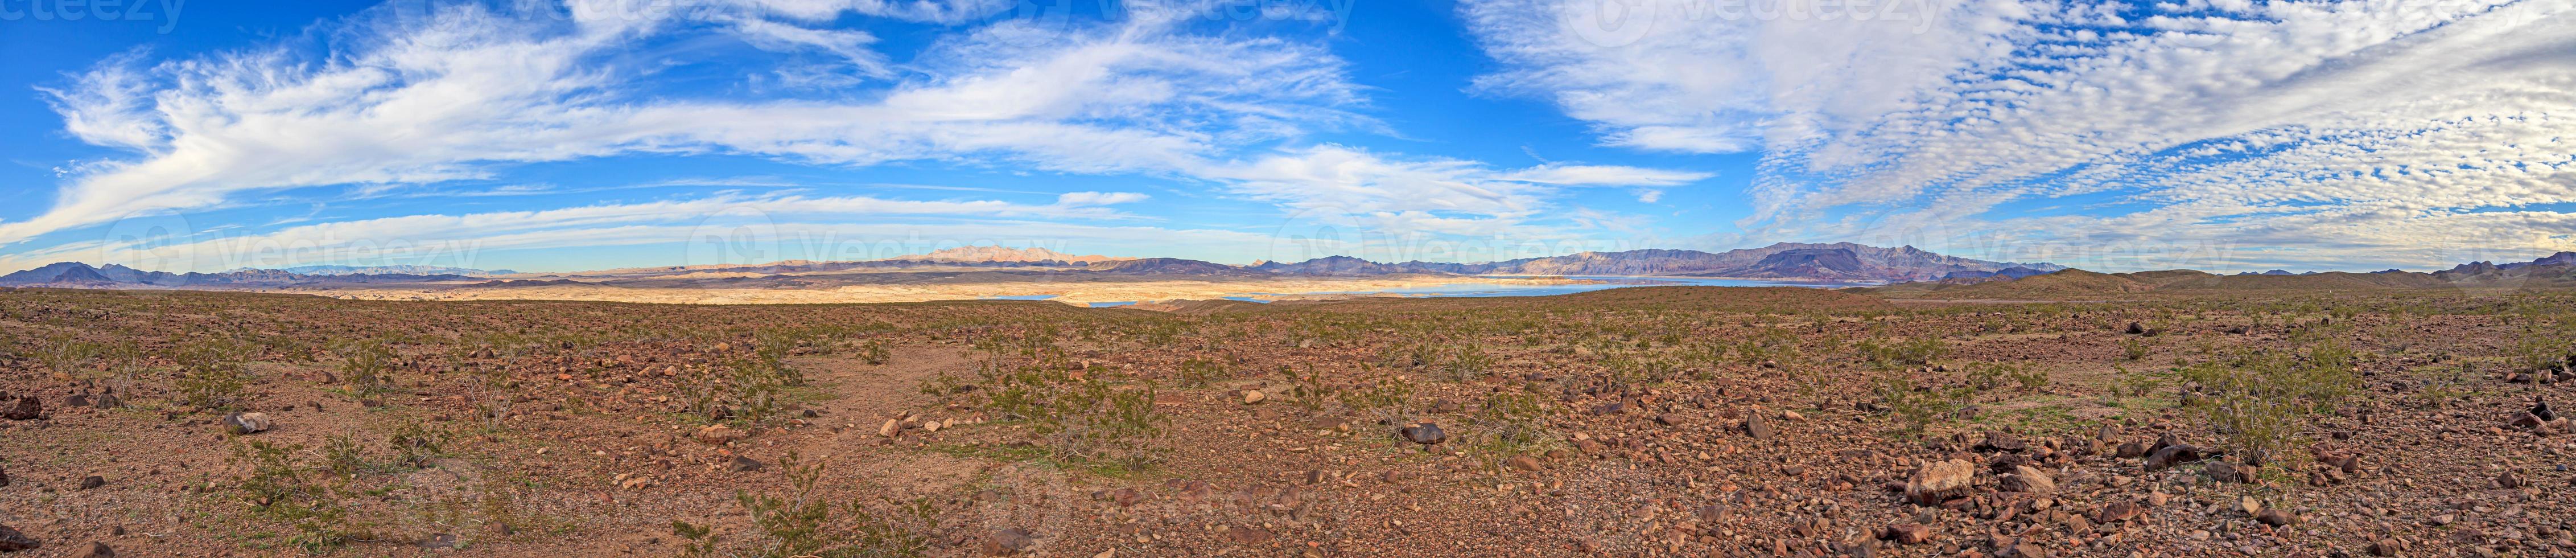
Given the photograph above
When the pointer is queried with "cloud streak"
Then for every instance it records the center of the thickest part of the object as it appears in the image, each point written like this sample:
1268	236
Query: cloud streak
2321	133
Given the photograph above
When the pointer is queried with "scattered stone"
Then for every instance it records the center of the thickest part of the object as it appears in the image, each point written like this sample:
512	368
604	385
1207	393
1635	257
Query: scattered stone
1907	533
1668	420
2026	479
1939	482
12	541
1754	426
1423	433
92	481
2115	512
718	434
2232	472
2508	480
741	464
1248	534
1251	396
2540	408
106	401
1999	441
28	408
893	427
2249	505
96	550
2276	517
2172	455
2386	547
1522	462
246	423
1792	416
1009	541
2130	450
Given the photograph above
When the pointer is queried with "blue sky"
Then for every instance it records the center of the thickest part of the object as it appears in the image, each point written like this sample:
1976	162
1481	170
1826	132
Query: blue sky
535	135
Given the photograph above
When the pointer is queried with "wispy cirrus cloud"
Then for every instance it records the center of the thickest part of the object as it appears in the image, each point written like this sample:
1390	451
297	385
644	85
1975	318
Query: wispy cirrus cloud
406	100
2323	133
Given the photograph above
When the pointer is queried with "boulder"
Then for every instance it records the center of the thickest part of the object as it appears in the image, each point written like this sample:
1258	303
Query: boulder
27	408
1939	482
246	423
2172	455
2026	479
1423	433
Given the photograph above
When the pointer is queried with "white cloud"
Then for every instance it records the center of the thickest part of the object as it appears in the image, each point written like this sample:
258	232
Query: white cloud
419	98
2328	131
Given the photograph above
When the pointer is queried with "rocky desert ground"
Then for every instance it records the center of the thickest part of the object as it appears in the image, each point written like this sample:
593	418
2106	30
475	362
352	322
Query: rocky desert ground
1658	421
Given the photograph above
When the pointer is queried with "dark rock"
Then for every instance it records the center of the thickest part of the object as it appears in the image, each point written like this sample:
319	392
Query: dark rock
1757	428
96	550
2508	480
27	408
1423	433
106	401
2276	517
1907	533
2130	450
2540	408
92	481
4	477
1999	441
2171	456
2167	440
2135	329
12	541
76	400
741	463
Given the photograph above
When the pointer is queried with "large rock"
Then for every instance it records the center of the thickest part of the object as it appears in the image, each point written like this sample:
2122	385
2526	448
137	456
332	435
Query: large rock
1423	433
246	423
1939	482
27	408
2116	512
2172	455
2024	478
1754	426
1907	533
12	541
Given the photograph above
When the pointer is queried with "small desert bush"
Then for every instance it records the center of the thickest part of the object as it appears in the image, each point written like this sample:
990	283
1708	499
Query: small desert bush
308	502
365	365
2257	403
1390	400
212	373
800	524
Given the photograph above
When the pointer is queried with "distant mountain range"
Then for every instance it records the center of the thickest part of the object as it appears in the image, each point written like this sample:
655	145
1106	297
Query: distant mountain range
386	270
76	274
1001	254
1840	262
